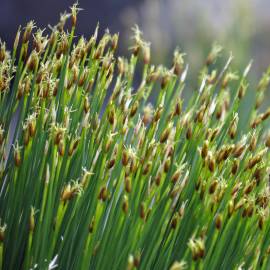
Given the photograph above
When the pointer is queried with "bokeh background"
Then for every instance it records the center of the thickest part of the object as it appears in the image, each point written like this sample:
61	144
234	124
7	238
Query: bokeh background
241	26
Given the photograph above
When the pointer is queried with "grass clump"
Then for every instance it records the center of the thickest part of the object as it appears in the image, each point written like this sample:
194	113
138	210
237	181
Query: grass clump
93	176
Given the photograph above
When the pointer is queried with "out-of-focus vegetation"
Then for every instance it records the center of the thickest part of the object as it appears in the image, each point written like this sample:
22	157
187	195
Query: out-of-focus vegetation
241	26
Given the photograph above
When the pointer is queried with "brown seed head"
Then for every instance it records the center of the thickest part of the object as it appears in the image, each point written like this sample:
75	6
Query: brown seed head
218	221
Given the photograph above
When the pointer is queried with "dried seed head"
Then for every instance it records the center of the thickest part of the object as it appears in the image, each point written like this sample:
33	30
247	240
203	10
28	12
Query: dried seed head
90	85
204	151
261	222
233	126
255	121
249	187
202	190
109	141
138	42
258	175
242	90
167	165
200	114
166	132
86	105
218	221
24	52
114	41
178	108
17	154
256	159
61	148
174	221
112	116
26	136
74	13
176	176
253	142
235	166
266	114
130	264
240	204
142	211
214	54
214	134
73	146
147	168
134	108
175	192
63	18
189	132
239	149
193	248
121	65
111	163
63	45
137	260
32	62
103	194
125	204
83	78
230	208
3	52
17	39
31	124
67	193
213	186
200	247
53	37
28	30
2	232
91	225
197	248
230	76
181	211
147	114
158	178
39	42
223	153
166	76
236	188
128	184
211	77
125	157
158	113
220	110
146	53
267	140
85	177
178	62
211	162
250	210
179	265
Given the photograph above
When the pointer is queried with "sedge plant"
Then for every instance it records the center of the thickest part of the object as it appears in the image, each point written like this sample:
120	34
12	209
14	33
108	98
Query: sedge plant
95	176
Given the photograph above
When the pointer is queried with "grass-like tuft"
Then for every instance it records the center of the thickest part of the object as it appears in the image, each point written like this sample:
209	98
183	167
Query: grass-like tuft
94	176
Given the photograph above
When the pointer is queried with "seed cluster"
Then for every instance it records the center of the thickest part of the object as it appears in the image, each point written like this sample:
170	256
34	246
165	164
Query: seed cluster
94	176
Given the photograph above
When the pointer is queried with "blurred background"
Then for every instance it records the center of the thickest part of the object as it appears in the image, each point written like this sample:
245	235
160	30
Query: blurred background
241	26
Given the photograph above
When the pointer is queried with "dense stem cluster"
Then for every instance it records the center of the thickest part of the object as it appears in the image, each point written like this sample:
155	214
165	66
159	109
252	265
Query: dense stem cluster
95	176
